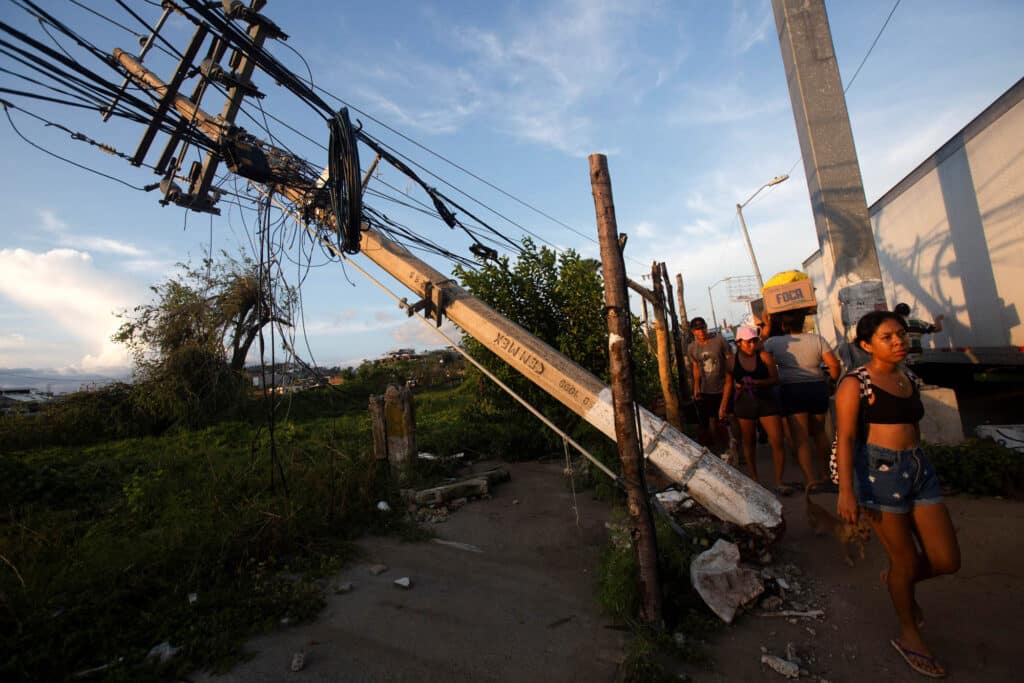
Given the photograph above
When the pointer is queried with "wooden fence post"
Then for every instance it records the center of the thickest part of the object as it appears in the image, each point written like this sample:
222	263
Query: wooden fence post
393	421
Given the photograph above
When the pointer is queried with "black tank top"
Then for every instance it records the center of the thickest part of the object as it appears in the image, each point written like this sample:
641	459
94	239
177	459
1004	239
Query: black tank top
760	371
889	409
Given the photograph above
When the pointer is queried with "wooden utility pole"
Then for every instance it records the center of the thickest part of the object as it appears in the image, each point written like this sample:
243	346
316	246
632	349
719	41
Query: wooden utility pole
684	331
647	328
619	334
663	351
677	339
661	332
723	490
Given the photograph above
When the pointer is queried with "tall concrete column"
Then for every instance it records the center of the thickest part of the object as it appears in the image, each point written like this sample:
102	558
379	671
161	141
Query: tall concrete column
852	274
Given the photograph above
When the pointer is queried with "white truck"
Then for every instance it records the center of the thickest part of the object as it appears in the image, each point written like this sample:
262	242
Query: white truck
950	241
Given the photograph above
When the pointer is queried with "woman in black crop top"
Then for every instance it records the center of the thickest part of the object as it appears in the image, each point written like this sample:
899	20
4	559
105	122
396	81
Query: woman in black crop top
749	383
884	474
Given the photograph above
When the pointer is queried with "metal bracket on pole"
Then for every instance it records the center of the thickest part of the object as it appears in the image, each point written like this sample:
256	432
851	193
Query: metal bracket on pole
433	302
687	474
653	443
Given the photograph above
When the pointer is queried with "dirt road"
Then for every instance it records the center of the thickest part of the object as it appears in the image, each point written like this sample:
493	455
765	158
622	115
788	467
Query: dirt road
513	602
516	602
972	619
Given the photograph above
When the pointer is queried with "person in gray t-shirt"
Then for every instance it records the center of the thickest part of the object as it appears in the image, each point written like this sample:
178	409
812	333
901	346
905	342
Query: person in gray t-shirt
710	355
803	391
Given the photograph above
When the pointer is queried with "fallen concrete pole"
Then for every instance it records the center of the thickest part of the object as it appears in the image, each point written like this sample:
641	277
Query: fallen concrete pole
724	491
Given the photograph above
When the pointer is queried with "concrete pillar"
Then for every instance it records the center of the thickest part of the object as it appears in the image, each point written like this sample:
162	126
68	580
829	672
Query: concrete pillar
830	163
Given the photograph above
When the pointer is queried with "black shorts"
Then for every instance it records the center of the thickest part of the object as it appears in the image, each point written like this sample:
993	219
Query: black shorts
804	397
709	405
752	406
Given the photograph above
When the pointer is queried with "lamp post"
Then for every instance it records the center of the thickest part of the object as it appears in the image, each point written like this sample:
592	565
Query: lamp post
739	212
711	300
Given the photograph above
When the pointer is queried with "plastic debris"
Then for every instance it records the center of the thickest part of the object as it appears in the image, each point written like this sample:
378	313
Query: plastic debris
404	582
298	661
725	586
383	506
192	597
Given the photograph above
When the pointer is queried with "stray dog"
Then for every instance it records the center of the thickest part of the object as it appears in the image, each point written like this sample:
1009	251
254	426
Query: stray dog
822	521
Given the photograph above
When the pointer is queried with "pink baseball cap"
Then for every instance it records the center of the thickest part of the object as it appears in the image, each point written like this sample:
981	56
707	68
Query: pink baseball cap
746	332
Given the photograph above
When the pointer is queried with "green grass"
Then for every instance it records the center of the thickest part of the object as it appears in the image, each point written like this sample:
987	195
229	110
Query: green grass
652	653
103	544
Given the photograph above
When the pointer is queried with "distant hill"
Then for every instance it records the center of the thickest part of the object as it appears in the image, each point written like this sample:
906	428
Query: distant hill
57	381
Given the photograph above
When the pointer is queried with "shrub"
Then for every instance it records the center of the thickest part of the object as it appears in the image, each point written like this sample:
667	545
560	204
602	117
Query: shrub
979	466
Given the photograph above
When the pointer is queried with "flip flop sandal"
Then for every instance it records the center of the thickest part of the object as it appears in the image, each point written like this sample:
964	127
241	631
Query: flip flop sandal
917	661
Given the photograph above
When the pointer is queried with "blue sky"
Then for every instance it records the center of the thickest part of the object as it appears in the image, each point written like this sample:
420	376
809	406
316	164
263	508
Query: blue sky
687	99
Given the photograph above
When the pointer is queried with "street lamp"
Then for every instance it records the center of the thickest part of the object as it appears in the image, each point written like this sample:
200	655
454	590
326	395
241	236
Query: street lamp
711	300
739	211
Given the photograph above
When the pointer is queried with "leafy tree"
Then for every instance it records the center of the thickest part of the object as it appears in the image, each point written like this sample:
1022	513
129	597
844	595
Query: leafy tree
560	300
190	343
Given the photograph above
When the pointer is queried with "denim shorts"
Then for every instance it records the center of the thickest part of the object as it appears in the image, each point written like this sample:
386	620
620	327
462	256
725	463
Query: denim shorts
894	481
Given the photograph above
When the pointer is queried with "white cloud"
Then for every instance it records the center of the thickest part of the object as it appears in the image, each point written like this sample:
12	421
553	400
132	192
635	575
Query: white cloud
535	78
355	321
65	286
724	102
51	223
747	29
417	333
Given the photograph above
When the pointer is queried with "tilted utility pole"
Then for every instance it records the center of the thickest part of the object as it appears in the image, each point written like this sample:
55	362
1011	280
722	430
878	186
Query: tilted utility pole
723	490
848	254
620	332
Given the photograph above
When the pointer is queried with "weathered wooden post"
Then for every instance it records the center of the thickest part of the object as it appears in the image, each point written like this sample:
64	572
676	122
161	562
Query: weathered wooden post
647	327
677	341
661	331
619	335
380	432
393	419
684	334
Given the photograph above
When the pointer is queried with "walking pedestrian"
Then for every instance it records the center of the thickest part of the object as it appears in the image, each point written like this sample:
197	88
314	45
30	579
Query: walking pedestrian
885	475
803	389
751	380
709	354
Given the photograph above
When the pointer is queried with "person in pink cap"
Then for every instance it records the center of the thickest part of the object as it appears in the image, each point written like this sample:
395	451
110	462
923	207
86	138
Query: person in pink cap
750	380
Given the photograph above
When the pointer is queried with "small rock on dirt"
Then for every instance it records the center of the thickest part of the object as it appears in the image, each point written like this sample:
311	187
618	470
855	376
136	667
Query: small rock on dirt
298	661
163	652
781	666
404	582
377	569
345	587
772	603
